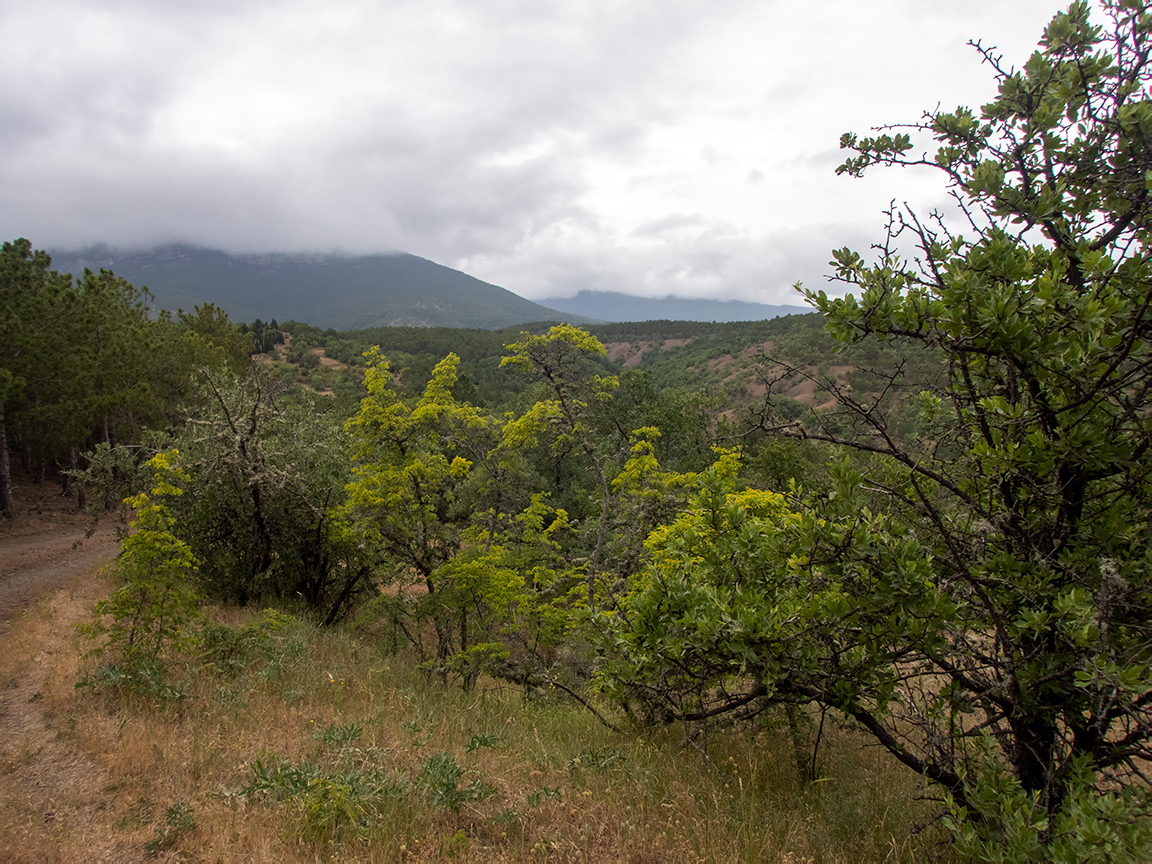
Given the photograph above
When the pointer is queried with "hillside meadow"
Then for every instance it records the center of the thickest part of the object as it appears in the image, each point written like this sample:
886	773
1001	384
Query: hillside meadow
284	741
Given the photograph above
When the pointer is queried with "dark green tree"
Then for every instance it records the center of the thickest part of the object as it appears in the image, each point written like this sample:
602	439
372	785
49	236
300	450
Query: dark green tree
90	360
34	306
211	323
267	469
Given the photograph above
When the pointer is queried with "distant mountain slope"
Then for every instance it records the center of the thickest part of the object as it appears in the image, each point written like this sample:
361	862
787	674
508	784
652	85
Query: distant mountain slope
343	292
612	306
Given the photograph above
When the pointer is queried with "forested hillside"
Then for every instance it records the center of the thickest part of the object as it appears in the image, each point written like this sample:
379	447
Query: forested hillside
613	306
342	291
728	365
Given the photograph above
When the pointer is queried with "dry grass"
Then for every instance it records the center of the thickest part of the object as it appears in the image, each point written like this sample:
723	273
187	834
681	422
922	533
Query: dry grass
105	775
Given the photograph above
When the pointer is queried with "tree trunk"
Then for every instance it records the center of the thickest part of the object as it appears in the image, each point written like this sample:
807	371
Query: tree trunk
106	437
262	559
65	477
799	744
1034	747
6	504
469	677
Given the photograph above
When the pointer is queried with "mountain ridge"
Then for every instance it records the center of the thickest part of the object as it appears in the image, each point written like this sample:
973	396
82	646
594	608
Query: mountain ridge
342	291
615	307
334	290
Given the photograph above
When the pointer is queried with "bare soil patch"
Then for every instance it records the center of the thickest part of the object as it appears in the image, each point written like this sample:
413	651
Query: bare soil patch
328	362
629	353
52	793
38	552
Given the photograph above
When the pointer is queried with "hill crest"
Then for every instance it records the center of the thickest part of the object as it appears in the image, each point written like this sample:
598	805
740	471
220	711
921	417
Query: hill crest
612	306
338	291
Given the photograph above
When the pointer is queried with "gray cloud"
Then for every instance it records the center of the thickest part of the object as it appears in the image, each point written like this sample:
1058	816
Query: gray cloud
655	146
667	224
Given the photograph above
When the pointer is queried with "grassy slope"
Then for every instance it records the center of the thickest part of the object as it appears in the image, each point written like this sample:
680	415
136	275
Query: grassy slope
332	702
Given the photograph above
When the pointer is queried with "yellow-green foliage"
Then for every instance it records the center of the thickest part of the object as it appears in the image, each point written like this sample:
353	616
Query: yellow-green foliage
524	591
494	586
561	360
405	472
149	614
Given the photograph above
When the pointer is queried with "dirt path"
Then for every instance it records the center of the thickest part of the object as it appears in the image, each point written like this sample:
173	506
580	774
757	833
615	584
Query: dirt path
33	566
36	548
51	791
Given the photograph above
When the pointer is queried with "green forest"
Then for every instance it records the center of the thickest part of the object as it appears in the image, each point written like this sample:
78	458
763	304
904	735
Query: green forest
918	518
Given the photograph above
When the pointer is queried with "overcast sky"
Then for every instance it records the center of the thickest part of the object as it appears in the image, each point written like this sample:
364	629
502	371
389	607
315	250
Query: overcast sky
646	146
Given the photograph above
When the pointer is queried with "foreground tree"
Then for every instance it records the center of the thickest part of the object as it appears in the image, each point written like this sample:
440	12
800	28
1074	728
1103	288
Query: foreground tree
978	598
151	611
268	467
